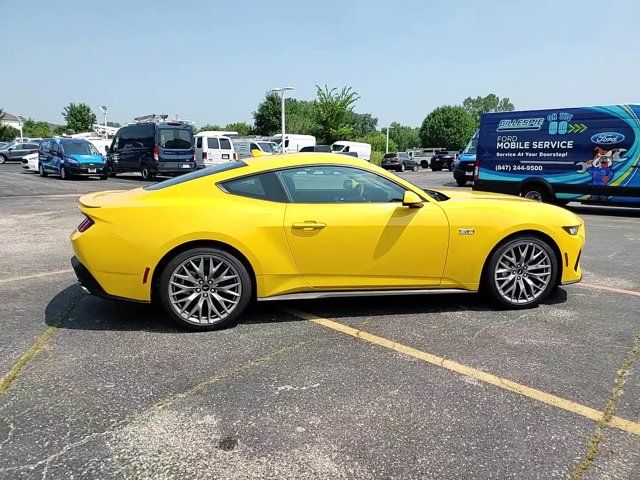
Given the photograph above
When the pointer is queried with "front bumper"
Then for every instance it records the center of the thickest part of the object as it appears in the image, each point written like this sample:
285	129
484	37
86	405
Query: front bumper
86	170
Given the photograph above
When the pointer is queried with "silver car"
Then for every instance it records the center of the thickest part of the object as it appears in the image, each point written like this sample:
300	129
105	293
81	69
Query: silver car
16	151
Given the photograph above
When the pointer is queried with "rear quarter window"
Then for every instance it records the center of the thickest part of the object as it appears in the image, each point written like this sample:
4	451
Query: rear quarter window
263	186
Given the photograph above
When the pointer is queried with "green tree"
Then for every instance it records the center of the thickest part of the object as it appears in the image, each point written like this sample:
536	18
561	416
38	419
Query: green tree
331	112
449	127
491	103
31	128
362	123
267	116
79	117
378	142
403	136
113	124
299	116
243	128
210	127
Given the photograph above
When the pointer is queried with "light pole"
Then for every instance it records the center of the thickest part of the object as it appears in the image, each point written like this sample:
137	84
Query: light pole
103	108
282	90
387	147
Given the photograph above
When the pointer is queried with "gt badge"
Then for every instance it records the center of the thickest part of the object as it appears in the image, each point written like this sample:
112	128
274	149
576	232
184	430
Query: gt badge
466	231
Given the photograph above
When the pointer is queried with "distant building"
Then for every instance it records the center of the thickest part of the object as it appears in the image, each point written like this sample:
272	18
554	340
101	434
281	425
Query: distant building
12	120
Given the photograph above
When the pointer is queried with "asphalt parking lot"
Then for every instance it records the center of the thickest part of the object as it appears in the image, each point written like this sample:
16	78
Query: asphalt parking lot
392	387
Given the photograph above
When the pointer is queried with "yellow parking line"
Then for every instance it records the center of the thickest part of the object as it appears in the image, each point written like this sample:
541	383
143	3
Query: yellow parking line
506	384
34	275
609	289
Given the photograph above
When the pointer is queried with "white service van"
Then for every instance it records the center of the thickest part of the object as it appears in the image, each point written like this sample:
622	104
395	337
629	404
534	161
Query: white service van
213	147
293	143
362	149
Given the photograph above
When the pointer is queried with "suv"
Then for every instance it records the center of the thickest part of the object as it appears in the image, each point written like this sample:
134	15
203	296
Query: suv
464	166
399	161
70	157
442	159
17	150
152	148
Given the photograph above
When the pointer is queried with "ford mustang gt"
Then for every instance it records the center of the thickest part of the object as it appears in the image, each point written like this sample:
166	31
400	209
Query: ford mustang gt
310	225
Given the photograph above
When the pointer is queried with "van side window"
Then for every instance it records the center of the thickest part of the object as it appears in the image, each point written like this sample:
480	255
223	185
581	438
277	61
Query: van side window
225	144
213	144
253	146
198	142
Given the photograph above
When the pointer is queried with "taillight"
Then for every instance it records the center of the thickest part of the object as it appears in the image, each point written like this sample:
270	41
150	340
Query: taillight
476	169
204	155
235	156
85	224
155	154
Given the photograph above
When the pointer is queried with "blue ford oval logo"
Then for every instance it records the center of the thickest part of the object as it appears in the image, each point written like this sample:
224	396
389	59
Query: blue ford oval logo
607	138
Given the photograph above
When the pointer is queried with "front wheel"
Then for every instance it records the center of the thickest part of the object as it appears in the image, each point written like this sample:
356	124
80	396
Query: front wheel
402	167
415	168
2	159
521	273
104	177
64	173
205	289
41	171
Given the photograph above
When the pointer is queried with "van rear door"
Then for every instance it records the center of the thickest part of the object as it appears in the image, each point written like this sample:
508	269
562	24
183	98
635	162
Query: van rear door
175	147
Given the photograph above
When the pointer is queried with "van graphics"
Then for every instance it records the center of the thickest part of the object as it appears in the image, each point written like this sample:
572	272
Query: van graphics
598	147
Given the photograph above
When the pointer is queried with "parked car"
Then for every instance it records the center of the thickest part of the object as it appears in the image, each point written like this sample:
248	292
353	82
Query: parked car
151	148
207	244
213	148
246	148
464	165
443	159
293	142
30	162
363	150
399	161
71	157
17	150
316	148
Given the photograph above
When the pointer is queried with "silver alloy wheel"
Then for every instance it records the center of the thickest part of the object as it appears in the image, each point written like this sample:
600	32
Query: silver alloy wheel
63	173
204	289
523	272
533	195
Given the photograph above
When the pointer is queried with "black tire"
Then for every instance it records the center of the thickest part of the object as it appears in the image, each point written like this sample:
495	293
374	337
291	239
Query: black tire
489	284
415	168
112	172
535	192
146	173
246	288
3	159
64	174
42	171
461	182
104	177
402	167
436	169
424	164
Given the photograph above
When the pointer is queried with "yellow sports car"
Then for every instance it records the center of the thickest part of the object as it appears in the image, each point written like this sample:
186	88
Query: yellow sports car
207	243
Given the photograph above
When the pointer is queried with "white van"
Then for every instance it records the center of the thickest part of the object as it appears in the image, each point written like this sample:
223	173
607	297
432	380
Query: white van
293	143
213	148
362	149
245	148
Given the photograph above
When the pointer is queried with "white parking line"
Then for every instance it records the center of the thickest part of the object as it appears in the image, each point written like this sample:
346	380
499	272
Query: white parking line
35	275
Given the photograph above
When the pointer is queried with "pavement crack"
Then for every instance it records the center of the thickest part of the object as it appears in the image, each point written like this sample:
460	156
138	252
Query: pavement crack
7	380
607	414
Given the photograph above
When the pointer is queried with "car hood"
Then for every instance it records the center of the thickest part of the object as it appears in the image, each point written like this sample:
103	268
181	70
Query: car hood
85	158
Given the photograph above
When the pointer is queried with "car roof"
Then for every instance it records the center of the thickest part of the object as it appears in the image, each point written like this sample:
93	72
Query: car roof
300	159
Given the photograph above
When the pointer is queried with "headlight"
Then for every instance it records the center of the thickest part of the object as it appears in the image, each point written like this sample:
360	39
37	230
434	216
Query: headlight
71	161
573	230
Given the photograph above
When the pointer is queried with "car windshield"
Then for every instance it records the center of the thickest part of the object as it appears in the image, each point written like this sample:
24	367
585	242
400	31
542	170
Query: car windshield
176	138
267	147
336	147
471	147
390	155
221	167
79	148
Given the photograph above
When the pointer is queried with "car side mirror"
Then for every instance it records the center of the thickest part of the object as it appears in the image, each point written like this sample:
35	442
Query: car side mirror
411	199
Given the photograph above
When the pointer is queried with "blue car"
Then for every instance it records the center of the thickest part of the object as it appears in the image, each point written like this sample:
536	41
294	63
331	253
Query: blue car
464	165
71	157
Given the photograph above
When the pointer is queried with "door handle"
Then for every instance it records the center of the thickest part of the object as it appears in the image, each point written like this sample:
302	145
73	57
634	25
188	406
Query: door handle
308	225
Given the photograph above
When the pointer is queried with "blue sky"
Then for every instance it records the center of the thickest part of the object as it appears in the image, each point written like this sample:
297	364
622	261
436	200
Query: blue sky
212	62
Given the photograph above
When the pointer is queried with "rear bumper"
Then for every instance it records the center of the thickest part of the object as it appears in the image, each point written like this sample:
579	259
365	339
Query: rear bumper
90	285
175	167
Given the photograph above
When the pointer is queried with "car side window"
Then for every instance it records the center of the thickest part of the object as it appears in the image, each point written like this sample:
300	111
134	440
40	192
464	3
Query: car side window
253	146
55	149
264	186
336	184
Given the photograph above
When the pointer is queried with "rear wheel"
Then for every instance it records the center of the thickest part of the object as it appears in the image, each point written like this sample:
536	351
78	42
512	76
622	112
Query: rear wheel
112	172
402	167
41	171
205	289
536	193
461	182
415	168
3	159
521	273
104	177
147	174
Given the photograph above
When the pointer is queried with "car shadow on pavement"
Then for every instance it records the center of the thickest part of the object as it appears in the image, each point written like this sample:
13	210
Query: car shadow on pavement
72	309
605	211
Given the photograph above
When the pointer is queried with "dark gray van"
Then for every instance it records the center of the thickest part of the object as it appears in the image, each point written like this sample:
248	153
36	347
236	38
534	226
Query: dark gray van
152	148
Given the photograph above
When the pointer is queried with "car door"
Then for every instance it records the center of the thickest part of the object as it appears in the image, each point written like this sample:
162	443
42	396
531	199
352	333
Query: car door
347	228
55	158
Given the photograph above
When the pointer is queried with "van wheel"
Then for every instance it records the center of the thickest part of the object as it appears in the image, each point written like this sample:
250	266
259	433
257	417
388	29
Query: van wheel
461	182
536	193
147	174
41	171
205	289
521	273
64	174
